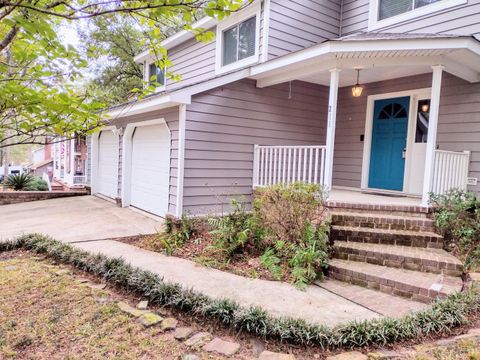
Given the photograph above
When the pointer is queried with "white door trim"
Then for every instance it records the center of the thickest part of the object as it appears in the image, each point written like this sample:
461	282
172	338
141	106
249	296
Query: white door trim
95	153
127	155
369	127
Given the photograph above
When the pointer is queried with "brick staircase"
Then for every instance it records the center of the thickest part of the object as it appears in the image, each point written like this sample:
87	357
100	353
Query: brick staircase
393	249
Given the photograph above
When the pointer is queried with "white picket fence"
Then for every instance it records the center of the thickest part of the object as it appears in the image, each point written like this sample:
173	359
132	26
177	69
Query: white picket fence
450	171
287	164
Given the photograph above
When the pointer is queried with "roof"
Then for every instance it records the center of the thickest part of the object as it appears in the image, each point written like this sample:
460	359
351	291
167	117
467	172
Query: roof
40	164
395	36
373	43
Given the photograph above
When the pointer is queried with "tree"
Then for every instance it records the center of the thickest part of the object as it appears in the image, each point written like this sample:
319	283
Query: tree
110	43
39	76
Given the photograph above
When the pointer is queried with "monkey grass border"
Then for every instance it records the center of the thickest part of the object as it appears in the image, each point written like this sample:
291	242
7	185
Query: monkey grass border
439	319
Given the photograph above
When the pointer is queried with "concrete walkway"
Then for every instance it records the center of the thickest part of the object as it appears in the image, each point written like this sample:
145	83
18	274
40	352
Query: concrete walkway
87	221
315	305
74	219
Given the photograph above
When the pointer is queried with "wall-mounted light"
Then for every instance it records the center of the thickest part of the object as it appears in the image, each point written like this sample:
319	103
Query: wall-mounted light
357	89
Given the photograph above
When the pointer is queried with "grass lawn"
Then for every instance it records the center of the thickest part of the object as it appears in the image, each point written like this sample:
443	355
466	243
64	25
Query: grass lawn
46	312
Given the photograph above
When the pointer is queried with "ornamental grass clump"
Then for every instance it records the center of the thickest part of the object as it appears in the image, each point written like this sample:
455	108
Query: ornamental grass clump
440	318
457	215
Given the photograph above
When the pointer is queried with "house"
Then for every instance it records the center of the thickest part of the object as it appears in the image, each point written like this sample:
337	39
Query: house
70	163
359	96
42	161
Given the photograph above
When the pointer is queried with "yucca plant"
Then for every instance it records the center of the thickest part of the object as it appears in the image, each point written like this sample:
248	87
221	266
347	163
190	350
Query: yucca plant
19	181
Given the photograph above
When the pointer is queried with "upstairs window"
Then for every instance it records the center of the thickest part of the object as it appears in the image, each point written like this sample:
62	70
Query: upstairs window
390	12
156	75
237	40
389	8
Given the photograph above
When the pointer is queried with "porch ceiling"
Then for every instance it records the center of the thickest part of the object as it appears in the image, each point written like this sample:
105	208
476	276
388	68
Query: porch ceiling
379	59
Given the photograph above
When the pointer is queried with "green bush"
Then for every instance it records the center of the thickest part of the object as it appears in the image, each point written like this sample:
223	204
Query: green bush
37	184
457	215
18	182
235	230
296	230
441	318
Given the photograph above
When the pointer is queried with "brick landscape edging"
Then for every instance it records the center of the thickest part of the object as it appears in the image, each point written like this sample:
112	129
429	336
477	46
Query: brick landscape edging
16	197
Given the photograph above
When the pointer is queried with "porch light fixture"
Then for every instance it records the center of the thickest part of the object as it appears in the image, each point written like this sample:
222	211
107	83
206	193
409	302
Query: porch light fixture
357	89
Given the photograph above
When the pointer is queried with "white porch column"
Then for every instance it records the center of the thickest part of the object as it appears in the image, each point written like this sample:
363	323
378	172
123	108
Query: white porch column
432	132
331	123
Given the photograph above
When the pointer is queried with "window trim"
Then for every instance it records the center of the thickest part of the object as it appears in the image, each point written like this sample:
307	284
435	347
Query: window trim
251	11
147	76
374	23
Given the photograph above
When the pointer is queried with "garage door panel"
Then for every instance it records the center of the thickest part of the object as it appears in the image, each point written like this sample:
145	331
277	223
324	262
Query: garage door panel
107	175
151	169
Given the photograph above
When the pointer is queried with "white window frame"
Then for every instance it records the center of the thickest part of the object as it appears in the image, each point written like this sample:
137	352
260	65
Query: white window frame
374	23
146	71
235	19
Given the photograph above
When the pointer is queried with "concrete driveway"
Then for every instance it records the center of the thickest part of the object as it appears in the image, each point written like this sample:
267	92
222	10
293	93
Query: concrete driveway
80	218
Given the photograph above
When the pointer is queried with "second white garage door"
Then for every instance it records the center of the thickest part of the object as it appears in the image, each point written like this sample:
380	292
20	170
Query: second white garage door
107	176
150	169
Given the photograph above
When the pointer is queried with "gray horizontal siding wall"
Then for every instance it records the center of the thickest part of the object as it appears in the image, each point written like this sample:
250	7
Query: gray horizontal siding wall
297	24
458	130
194	60
171	117
224	124
460	20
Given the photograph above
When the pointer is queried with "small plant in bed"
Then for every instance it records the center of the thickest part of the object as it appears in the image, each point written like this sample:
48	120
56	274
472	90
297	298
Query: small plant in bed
457	215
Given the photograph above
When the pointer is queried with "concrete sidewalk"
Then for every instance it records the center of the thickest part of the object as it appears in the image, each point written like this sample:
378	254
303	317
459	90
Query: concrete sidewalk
315	305
74	219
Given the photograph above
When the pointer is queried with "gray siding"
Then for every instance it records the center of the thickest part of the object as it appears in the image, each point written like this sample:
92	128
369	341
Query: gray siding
171	117
459	123
223	125
460	20
194	60
297	24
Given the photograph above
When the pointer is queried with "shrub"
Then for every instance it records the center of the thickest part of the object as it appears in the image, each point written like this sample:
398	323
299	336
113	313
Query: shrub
457	215
37	184
235	230
19	181
285	211
176	234
441	318
293	218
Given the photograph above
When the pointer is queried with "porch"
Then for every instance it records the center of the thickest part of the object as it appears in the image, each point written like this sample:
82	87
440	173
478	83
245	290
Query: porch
394	154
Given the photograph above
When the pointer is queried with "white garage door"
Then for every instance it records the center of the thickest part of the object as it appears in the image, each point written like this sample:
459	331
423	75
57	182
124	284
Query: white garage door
151	169
107	173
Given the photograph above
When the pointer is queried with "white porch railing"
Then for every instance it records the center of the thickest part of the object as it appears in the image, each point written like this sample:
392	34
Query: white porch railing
287	164
79	180
450	170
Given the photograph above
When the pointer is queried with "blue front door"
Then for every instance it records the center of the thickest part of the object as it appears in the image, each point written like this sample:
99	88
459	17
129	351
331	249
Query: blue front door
389	139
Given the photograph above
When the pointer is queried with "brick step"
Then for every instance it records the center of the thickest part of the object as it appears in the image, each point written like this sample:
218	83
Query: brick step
379	302
418	286
382	221
387	237
436	261
398	210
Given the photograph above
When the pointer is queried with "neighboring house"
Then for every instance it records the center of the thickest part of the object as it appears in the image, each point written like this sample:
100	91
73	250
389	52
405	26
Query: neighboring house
42	161
283	73
70	162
